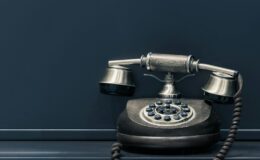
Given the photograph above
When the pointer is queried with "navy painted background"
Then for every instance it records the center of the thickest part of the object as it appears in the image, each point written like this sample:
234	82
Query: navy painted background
53	53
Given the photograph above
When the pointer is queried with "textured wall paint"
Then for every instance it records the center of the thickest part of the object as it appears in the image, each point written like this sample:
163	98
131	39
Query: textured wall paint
53	53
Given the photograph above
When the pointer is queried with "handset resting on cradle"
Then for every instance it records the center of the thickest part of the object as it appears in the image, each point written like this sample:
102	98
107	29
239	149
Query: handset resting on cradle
170	121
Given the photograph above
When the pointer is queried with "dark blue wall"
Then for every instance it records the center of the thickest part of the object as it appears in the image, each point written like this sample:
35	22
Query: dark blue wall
53	53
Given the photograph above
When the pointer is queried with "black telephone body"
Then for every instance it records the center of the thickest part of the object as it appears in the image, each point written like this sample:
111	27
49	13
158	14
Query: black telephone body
172	121
168	123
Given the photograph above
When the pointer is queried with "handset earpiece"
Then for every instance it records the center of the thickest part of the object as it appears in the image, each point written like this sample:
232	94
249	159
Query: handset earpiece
220	88
117	80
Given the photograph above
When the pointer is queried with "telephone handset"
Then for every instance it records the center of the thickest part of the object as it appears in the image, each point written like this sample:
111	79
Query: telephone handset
170	121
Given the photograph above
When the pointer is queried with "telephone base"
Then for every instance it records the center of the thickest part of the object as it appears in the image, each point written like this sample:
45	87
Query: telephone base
197	128
181	142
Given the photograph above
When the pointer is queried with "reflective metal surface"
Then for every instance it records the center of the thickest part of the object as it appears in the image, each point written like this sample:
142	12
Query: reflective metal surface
124	62
171	63
221	84
169	90
168	62
213	68
118	75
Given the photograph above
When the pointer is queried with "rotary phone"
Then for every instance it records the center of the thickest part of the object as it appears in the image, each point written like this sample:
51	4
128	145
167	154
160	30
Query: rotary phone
171	121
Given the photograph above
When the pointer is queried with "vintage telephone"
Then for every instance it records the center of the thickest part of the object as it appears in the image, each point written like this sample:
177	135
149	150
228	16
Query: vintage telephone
170	121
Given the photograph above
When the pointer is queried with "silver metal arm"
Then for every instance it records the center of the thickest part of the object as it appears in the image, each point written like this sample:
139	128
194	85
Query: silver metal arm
172	63
213	68
124	62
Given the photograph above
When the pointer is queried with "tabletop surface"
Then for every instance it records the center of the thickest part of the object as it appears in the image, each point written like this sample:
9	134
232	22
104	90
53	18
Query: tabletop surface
101	150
